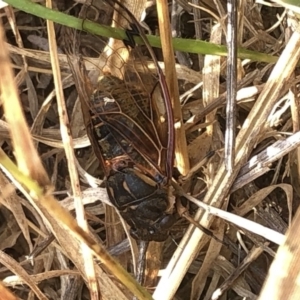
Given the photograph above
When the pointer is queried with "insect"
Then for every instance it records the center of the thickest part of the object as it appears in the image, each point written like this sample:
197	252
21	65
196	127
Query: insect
129	121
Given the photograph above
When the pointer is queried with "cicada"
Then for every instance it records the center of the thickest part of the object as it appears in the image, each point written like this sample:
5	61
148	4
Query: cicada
129	121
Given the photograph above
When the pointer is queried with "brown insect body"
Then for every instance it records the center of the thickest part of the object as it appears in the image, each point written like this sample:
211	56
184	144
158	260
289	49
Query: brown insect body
130	124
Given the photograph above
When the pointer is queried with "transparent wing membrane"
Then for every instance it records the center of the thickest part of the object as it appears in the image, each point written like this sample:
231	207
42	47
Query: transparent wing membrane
128	118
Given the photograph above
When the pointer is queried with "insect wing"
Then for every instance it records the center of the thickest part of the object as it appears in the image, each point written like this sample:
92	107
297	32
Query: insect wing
129	121
164	93
142	113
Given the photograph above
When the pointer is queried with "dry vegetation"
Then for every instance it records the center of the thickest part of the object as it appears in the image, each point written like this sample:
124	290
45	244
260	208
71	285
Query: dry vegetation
263	187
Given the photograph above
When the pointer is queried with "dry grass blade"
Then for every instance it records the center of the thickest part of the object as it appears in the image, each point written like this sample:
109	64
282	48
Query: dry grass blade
68	146
11	201
252	255
249	225
211	255
37	278
282	281
230	133
14	266
258	197
260	164
29	161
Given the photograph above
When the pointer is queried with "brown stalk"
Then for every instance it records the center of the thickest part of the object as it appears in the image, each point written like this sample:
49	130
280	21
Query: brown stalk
181	154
